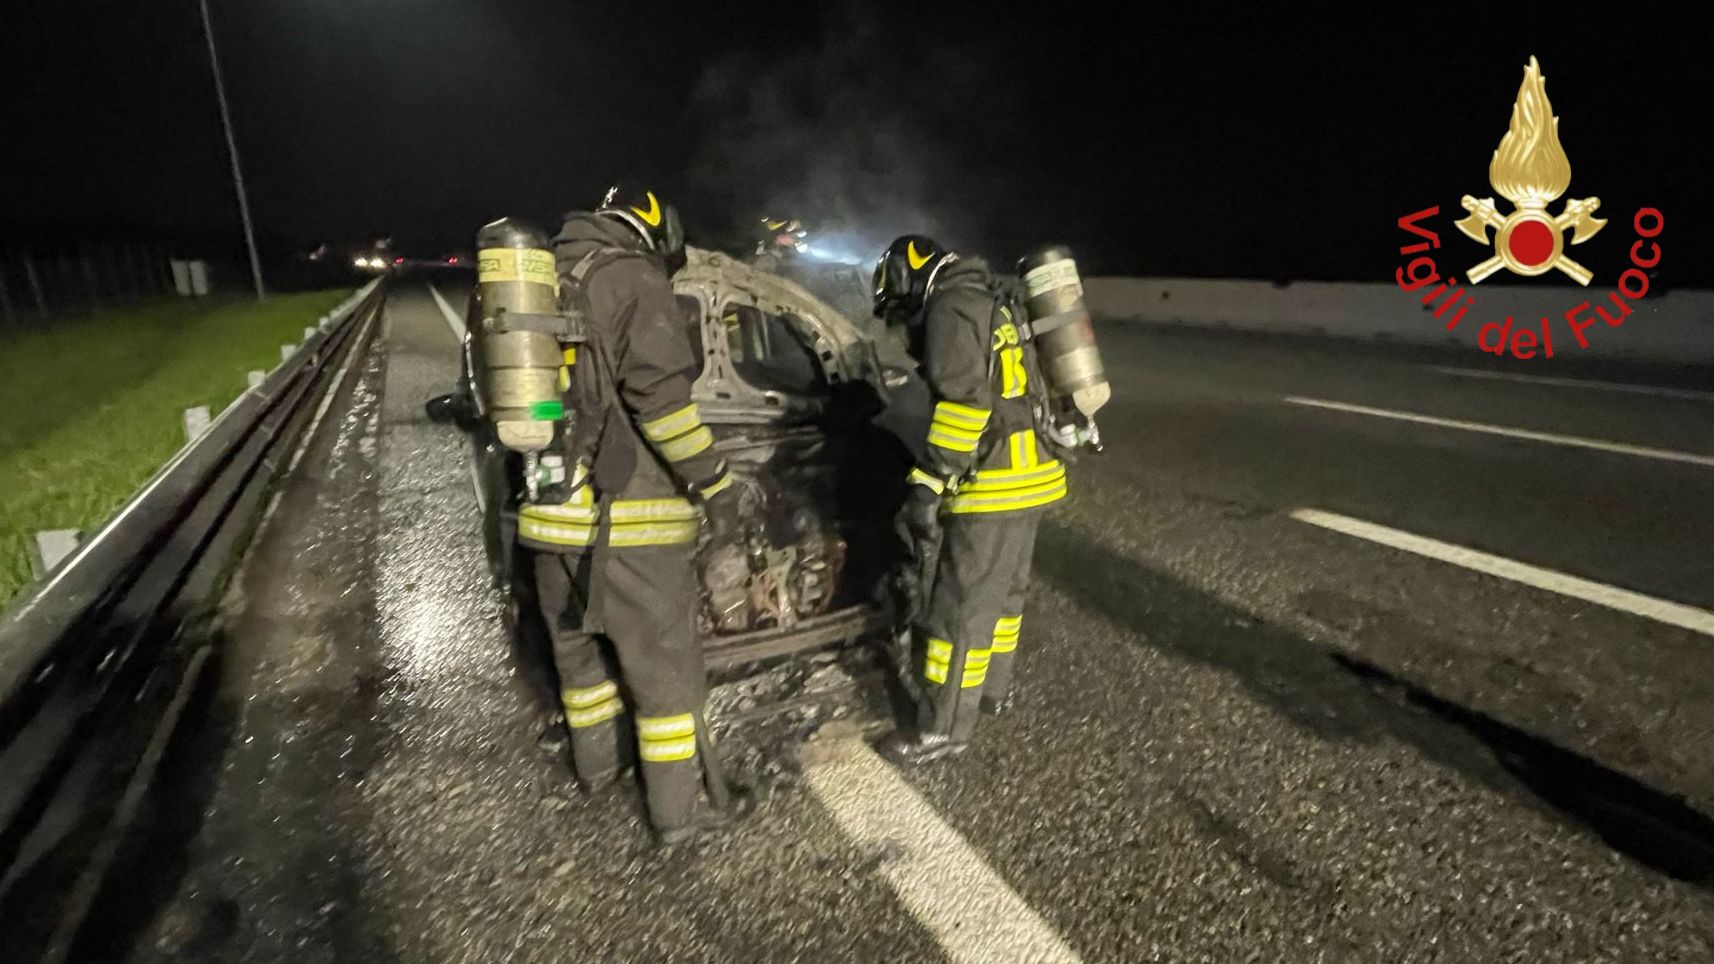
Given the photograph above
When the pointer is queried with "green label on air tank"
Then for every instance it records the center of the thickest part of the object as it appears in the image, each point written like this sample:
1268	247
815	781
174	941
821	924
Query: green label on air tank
547	411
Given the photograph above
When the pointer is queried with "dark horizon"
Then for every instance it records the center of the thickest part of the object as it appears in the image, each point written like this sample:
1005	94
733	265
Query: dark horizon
1272	148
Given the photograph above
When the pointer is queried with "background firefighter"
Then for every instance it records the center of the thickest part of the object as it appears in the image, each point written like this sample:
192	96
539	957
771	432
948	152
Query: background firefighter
615	540
983	478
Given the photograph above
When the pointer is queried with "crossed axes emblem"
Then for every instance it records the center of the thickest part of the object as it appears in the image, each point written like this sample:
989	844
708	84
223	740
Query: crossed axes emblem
1578	215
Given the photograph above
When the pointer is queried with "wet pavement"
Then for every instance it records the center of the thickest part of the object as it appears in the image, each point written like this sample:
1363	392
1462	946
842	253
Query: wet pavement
1238	738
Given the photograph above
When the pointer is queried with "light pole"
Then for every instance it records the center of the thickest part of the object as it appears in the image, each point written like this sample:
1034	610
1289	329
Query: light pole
232	152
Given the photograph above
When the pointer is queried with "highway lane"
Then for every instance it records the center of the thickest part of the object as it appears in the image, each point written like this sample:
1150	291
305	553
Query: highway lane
1240	736
1212	459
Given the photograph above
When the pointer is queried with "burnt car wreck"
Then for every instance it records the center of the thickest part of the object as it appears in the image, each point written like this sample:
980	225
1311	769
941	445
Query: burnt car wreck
791	389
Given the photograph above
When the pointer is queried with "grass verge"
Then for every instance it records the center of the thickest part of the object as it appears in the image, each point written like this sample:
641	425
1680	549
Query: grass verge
89	410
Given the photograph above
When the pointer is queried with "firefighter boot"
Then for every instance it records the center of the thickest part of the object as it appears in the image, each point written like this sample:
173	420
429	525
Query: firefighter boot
913	749
707	818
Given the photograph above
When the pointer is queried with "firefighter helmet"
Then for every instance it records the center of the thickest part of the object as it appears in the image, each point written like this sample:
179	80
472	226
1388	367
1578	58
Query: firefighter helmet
903	274
657	223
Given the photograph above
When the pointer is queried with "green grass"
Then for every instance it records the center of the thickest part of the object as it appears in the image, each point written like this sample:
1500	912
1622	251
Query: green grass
89	410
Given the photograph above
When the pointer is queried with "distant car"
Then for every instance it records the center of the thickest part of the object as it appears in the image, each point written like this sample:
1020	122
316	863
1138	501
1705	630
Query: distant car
789	387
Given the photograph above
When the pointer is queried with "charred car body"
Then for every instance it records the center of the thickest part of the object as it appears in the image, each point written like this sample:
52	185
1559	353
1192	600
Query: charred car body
789	386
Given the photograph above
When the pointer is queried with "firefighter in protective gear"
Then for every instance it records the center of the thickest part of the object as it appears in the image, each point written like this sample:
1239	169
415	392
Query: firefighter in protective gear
615	542
983	478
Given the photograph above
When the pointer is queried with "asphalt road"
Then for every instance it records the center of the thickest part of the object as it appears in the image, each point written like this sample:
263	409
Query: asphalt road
1242	735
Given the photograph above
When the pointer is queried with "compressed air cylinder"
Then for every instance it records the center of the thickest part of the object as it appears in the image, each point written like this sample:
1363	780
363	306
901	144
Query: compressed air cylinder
516	286
1064	338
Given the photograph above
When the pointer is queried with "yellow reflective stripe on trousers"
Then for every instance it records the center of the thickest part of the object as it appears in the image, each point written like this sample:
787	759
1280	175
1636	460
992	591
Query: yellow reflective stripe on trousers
590	705
584	697
594	715
1006	633
665	739
665	727
672	424
937	664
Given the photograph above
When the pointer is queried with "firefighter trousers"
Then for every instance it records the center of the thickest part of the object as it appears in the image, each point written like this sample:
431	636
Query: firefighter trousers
640	599
970	626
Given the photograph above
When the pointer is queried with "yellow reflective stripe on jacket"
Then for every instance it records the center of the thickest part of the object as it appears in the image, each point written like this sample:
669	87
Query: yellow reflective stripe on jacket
1023	449
1007	480
670	509
635	522
672	424
715	488
633	534
664	739
938	664
1013	376
957	427
1006	633
686	445
1010	490
946	440
1015	500
961	416
919	477
554	533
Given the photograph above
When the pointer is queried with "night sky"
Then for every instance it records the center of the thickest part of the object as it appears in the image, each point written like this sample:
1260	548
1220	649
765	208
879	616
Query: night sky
1280	147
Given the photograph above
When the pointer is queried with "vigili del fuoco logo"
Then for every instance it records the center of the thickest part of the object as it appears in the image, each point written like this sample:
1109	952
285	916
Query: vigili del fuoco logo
1531	170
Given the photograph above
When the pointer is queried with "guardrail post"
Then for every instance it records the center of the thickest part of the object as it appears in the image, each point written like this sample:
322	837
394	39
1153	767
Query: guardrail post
196	421
50	547
309	333
287	351
6	298
35	285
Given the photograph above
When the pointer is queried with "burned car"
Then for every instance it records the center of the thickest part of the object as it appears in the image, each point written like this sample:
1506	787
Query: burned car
790	388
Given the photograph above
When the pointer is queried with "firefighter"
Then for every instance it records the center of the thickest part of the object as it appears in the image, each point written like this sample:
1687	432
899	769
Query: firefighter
983	478
615	541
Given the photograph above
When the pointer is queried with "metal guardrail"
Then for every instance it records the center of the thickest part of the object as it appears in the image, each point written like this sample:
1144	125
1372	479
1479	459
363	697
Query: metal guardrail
97	660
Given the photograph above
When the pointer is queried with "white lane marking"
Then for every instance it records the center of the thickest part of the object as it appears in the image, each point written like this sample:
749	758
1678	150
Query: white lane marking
1620	448
1660	610
452	317
1579	383
972	912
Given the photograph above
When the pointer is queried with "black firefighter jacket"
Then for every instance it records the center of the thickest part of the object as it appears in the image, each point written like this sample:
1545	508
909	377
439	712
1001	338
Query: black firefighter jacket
652	446
982	453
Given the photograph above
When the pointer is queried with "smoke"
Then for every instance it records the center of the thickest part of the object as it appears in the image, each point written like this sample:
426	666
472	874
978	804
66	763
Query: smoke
862	134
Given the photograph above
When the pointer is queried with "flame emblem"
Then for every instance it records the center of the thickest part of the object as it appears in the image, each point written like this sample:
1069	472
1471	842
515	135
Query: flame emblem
1530	170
